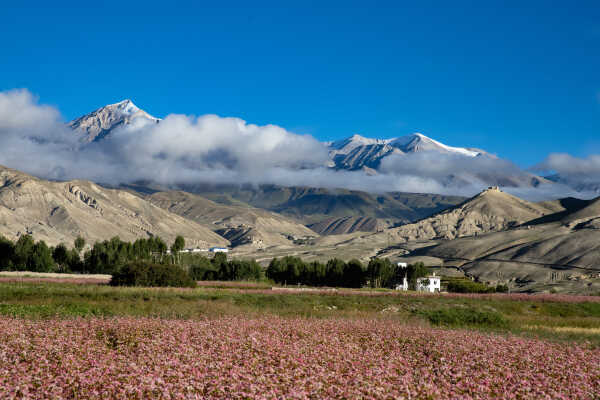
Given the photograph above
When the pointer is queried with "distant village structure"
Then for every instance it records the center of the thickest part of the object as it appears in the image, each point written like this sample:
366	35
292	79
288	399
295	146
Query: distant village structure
196	250
199	250
429	284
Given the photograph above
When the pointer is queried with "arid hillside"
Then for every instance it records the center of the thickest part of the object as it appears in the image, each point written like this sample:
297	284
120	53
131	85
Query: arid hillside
60	211
562	253
320	206
241	225
491	210
343	225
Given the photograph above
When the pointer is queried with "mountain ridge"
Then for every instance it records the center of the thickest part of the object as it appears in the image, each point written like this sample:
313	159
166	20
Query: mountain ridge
101	122
60	211
241	225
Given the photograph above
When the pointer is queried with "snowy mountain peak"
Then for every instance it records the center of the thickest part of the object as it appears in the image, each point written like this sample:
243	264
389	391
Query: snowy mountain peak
99	123
357	152
352	142
418	142
126	106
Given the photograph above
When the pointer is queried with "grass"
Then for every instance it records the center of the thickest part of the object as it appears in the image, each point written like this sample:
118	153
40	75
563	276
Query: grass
552	320
462	317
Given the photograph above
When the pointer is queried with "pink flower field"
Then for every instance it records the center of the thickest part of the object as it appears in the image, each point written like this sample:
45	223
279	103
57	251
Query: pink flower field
271	357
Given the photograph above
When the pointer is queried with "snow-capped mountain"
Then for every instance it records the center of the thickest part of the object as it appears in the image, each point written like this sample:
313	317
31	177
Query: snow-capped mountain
97	124
353	153
358	152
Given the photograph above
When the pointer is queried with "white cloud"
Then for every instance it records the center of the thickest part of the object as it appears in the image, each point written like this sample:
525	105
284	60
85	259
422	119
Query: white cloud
582	174
565	164
209	148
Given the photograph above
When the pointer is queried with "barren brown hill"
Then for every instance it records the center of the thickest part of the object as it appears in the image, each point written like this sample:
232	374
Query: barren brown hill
343	225
491	210
60	211
241	225
588	214
311	205
562	254
533	258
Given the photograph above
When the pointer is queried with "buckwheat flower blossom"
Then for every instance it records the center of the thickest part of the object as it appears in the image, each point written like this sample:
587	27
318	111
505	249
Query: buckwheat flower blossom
274	358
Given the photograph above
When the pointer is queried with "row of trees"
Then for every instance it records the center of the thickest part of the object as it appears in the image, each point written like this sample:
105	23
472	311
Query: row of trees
109	256
103	258
220	269
26	254
379	273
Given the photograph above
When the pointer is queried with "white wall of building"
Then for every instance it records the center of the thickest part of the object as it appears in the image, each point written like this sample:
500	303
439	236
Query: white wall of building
434	284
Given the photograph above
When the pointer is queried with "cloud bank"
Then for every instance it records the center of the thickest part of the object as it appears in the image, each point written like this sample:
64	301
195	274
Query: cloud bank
581	173
187	149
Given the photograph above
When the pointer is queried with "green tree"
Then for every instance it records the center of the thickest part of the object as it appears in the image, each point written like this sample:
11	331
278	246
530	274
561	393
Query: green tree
7	254
275	270
354	275
61	256
40	259
201	269
74	263
23	251
319	273
219	262
381	273
415	271
335	272
79	244
178	244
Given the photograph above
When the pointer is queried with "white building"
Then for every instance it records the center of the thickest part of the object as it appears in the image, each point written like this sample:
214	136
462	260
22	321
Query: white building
404	285
429	284
219	250
190	250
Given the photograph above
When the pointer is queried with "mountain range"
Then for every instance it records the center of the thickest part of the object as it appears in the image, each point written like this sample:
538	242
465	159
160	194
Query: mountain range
358	152
355	153
325	211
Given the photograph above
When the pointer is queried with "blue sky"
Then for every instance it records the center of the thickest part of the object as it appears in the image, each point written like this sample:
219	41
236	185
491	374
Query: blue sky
519	79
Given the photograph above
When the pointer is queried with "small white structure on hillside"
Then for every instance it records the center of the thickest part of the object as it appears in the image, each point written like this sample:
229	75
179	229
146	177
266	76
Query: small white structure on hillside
219	250
193	250
430	284
404	285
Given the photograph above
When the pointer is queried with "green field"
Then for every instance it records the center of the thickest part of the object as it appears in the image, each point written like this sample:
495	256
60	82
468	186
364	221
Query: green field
558	319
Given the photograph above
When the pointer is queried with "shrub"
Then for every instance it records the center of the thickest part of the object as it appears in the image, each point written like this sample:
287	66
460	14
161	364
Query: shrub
152	275
465	286
457	317
202	269
502	289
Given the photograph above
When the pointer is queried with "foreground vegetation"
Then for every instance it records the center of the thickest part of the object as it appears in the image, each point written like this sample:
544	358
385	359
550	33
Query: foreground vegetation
270	357
245	340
